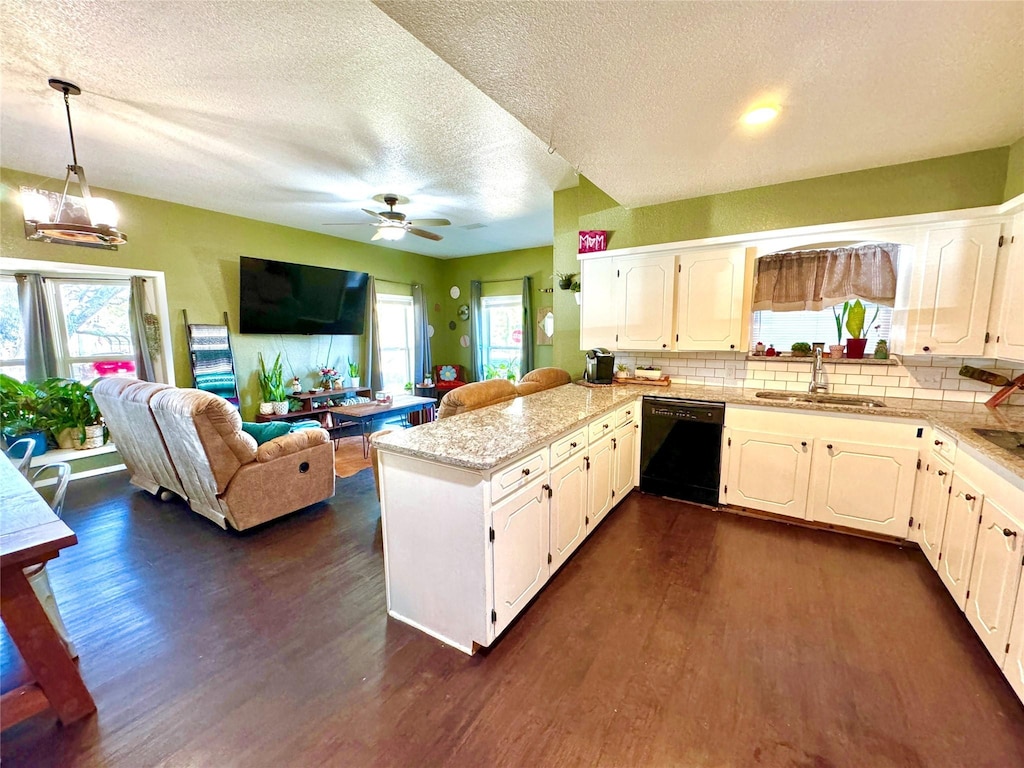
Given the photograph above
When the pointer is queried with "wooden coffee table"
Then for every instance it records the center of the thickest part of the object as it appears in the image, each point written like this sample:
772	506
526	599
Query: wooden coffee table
366	413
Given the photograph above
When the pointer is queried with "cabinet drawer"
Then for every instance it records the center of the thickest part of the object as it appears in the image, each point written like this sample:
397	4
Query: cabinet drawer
518	474
568	446
943	445
602	426
625	414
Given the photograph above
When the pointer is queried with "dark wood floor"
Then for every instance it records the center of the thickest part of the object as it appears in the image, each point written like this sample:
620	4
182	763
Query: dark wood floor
675	636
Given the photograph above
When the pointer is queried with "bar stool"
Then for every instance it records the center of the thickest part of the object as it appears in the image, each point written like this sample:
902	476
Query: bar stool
36	574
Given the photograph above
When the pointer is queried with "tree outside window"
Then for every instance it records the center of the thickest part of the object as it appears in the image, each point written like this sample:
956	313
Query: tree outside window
503	335
395	321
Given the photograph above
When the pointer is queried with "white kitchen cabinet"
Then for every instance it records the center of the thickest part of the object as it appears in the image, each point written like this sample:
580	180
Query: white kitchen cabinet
624	445
995	576
1013	667
1006	320
600	481
864	486
521	536
959	535
952	312
768	471
644	287
568	508
931	512
598	313
710	314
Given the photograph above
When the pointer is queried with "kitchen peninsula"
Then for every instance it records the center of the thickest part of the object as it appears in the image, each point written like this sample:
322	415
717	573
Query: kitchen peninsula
481	509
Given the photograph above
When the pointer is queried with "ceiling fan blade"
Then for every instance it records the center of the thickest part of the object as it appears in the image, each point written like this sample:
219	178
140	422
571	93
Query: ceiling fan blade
379	234
347	224
372	213
423	233
429	222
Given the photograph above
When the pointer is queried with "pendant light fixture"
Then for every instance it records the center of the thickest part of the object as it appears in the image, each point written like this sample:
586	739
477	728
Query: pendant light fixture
86	220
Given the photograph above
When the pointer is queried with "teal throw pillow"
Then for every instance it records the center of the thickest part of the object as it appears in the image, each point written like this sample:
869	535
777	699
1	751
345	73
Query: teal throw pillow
266	431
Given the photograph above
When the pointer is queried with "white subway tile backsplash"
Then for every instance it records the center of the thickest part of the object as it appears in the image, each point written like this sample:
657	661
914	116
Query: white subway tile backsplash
846	389
871	391
858	379
928	394
958	397
785	376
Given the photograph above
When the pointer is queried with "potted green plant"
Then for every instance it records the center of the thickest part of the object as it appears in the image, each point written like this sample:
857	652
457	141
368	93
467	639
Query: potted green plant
564	280
881	350
20	416
801	349
353	373
857	329
575	287
275	398
621	371
835	351
70	413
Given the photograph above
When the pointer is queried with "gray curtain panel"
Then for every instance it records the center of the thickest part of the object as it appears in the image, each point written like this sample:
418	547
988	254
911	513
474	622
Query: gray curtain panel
526	357
137	324
40	346
370	373
421	363
476	330
787	282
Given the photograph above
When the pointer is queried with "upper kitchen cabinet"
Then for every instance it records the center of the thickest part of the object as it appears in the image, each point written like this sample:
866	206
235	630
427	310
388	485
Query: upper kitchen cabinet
710	309
598	315
1006	321
644	286
956	278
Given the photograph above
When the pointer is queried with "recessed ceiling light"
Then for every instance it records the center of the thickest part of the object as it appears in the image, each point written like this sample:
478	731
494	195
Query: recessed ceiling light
760	115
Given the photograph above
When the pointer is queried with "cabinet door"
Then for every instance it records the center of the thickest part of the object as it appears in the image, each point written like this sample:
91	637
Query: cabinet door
1009	327
932	510
768	472
598	316
624	446
995	576
709	300
959	536
1013	667
644	289
600	481
862	486
520	551
568	508
960	265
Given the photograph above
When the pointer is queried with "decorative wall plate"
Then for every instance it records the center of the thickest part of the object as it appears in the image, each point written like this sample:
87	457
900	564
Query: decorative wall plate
454	292
464	312
464	341
451	325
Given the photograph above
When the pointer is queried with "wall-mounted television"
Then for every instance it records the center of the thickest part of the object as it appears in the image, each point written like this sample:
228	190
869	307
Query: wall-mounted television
277	297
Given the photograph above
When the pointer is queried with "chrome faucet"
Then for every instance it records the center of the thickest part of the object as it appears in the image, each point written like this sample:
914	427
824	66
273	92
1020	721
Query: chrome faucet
817	385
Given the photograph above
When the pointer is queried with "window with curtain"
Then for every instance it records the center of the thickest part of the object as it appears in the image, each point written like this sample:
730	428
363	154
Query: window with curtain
395	327
502	320
90	325
783	329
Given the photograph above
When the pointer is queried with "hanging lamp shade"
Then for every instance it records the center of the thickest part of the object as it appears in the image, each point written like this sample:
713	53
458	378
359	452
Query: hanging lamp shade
62	218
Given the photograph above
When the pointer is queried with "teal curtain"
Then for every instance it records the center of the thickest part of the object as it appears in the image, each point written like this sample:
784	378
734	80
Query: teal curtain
526	356
421	362
137	325
370	372
40	347
476	334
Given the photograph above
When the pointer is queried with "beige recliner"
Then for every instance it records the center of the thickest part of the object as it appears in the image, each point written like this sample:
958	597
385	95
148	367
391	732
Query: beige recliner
192	443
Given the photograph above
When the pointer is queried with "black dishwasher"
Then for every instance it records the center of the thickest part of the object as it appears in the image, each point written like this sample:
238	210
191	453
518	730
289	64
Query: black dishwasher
681	449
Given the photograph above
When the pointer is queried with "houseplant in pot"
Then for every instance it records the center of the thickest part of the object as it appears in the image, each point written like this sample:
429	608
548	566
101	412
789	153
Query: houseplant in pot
801	349
857	329
353	373
275	398
564	279
20	416
70	413
835	351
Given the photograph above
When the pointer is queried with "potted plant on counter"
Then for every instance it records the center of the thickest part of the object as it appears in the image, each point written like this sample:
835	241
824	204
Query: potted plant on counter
801	349
70	413
648	372
621	371
353	373
858	330
275	398
20	416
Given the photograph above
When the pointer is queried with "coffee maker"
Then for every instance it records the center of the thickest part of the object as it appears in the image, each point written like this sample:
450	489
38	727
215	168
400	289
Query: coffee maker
600	366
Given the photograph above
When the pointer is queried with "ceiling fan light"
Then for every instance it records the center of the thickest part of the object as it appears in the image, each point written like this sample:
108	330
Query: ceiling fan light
392	233
35	206
102	213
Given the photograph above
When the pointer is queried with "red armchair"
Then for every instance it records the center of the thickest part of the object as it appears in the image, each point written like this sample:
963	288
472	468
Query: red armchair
447	378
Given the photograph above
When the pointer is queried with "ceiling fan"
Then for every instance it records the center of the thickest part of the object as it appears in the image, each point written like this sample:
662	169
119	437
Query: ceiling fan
392	224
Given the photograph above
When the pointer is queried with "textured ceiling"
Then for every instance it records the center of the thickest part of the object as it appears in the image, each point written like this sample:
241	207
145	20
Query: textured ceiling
288	112
644	97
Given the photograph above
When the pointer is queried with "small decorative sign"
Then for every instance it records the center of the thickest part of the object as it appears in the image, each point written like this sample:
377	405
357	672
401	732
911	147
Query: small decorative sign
592	240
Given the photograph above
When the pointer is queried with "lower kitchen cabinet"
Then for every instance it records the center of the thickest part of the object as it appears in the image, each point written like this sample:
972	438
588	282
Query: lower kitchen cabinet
521	526
959	535
568	508
1013	666
863	486
768	472
624	445
601	481
995	576
935	492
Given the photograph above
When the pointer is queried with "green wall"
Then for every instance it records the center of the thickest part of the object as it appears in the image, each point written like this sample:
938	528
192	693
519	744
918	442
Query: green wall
198	251
503	274
1014	171
943	183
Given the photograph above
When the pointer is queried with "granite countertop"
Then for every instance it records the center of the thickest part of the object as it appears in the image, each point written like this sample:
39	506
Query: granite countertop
488	437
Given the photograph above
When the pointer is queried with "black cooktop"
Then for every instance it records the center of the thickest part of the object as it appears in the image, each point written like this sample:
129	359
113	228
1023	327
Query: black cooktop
1007	439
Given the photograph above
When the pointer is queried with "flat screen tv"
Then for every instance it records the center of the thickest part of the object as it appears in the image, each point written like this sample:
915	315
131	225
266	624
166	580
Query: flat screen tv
277	297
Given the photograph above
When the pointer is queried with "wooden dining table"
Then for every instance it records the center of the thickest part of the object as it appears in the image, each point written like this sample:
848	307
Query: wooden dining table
31	533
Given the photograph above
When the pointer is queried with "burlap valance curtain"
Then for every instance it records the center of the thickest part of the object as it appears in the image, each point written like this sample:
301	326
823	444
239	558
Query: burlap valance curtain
787	282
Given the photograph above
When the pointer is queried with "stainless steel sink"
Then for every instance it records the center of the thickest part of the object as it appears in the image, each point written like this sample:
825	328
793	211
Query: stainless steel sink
792	397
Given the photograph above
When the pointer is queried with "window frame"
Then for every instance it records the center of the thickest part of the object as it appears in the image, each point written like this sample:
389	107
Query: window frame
407	305
13	362
494	302
59	323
